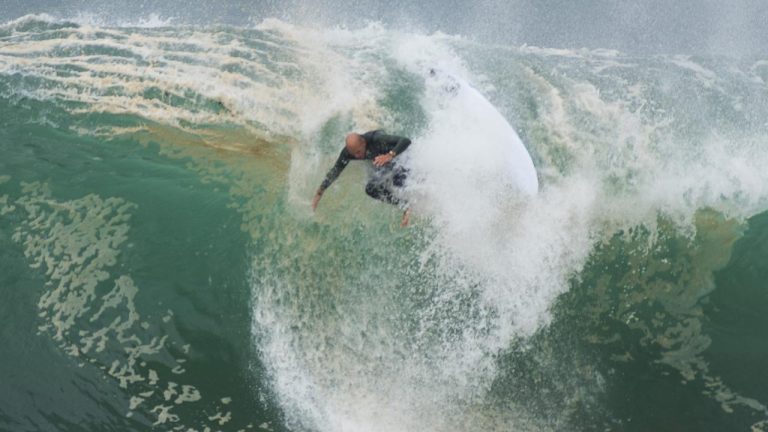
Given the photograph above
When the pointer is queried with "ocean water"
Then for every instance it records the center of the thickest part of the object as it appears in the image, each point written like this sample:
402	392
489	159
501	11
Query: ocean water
161	268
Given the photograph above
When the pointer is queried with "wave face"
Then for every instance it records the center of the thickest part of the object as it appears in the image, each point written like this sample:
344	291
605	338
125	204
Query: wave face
162	255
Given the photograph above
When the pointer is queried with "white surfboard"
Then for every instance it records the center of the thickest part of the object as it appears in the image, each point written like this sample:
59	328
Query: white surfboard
469	168
482	133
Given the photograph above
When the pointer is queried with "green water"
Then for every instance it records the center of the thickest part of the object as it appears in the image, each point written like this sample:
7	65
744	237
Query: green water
185	250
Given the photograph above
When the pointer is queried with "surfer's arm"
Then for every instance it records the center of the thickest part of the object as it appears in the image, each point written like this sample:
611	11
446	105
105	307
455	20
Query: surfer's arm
397	144
334	172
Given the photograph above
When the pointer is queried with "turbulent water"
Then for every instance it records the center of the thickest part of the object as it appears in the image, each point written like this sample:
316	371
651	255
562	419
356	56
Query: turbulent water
161	267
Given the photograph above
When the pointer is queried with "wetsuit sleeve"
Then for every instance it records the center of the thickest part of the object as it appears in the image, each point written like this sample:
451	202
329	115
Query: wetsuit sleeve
397	144
337	168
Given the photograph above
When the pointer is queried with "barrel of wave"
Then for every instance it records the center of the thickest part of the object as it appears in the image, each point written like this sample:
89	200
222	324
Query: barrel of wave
470	165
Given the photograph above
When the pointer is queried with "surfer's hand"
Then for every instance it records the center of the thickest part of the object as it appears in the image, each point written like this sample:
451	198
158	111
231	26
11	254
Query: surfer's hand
316	200
382	160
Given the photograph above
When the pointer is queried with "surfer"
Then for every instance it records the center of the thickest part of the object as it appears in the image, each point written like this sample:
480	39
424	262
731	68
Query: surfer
382	149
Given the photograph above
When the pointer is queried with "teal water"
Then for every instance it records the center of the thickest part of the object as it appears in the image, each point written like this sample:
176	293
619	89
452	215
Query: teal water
193	296
161	267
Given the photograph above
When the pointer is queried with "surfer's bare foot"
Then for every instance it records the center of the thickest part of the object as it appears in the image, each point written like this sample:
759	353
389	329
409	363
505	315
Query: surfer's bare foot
406	218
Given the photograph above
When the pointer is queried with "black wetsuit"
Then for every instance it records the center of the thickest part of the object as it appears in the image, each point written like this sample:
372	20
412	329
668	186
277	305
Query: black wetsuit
378	186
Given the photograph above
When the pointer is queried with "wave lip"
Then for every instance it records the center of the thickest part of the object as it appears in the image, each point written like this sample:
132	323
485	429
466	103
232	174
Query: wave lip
34	24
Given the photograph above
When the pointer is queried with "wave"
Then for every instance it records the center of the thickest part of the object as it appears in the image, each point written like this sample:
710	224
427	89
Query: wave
364	326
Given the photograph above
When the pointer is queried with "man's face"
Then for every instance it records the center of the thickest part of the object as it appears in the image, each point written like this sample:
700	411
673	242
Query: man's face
356	146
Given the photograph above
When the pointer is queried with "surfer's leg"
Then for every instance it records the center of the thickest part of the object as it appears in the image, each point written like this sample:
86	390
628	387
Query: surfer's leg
379	191
406	217
399	176
399	181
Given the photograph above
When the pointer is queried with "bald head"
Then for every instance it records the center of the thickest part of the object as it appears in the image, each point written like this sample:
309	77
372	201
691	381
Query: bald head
355	145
